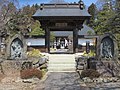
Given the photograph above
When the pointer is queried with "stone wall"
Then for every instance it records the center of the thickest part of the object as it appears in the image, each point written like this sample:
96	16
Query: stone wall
11	67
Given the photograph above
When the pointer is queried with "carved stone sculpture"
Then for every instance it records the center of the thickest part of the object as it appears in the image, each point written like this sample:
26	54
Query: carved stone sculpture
16	49
107	47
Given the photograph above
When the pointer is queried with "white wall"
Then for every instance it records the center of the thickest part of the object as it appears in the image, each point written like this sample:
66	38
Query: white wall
41	42
83	41
35	42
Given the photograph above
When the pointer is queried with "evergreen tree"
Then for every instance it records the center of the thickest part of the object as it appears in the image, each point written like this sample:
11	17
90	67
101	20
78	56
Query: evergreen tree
101	3
36	30
114	22
37	6
101	24
92	11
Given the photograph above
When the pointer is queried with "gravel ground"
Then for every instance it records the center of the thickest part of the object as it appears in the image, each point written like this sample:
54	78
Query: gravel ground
12	83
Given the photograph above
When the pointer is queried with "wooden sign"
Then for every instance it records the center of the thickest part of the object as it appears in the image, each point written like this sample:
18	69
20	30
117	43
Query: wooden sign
61	24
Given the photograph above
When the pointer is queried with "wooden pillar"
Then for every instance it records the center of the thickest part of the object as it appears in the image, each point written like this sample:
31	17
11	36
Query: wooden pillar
75	40
47	40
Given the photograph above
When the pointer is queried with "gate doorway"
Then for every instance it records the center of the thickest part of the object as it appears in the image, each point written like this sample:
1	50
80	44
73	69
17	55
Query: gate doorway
61	42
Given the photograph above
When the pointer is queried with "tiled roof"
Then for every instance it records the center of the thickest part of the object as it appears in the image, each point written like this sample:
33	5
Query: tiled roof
85	29
61	10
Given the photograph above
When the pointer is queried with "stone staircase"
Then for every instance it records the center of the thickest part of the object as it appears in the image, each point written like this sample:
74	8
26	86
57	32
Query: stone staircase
61	63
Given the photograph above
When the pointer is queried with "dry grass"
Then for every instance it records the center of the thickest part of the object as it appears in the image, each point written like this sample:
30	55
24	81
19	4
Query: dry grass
29	73
90	73
2	76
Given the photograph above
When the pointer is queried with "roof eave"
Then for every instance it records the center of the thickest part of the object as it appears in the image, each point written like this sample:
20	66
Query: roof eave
61	17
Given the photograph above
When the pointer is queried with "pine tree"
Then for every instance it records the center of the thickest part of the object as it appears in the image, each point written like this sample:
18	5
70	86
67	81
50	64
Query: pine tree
102	20
92	11
101	3
36	30
114	22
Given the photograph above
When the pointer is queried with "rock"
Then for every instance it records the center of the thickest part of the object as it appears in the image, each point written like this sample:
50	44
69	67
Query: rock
18	80
99	80
114	79
94	80
36	65
105	80
42	61
36	61
80	67
8	80
31	80
27	80
87	80
44	66
110	79
118	79
46	57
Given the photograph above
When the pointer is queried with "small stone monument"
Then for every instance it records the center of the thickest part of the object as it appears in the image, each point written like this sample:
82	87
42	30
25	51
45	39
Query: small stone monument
16	47
107	55
107	47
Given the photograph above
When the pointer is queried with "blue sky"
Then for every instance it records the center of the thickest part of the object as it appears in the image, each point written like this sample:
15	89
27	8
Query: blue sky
30	2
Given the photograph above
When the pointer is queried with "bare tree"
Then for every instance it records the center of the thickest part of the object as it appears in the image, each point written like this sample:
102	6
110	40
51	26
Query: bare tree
101	3
7	10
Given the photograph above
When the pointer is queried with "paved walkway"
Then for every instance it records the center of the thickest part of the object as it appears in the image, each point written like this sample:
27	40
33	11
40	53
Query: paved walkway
71	81
63	81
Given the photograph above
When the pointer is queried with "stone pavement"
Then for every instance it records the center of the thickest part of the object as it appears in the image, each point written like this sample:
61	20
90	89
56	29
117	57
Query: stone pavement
72	81
63	81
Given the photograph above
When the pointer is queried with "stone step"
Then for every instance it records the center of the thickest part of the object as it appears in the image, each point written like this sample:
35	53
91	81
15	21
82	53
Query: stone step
58	68
61	63
67	67
61	59
61	69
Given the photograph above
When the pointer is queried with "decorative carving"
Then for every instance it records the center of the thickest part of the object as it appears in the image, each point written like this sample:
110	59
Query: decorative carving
16	49
107	47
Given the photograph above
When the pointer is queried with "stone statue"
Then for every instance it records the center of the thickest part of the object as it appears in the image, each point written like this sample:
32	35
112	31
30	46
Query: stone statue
106	48
16	49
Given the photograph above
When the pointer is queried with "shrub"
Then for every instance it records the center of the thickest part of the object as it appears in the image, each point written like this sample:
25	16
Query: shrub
34	53
90	73
90	54
29	73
